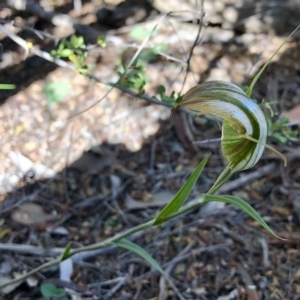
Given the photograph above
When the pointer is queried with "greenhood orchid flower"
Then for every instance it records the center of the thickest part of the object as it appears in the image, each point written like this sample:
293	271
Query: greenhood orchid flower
244	129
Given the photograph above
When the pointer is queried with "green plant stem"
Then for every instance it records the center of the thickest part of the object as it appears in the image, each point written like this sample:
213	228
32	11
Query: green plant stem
48	264
223	177
190	206
99	245
115	238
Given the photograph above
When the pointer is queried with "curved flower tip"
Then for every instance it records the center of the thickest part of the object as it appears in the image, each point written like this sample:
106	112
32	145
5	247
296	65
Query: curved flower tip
244	129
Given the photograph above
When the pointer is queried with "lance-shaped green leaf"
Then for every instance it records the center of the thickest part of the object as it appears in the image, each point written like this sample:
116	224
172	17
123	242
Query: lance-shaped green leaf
139	251
244	129
242	205
179	199
7	86
66	252
250	88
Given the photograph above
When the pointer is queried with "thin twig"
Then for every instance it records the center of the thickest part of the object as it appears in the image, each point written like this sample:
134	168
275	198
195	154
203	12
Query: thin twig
25	198
135	46
41	251
21	248
196	41
247	178
107	242
107	282
61	63
250	286
265	251
115	288
16	39
216	140
192	253
137	53
168	270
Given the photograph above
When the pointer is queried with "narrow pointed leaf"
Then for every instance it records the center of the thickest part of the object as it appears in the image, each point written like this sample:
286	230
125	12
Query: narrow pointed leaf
66	252
139	251
243	205
7	86
179	199
250	88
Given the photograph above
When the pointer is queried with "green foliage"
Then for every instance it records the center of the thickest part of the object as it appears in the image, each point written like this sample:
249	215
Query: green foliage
280	131
244	128
6	86
50	290
101	41
56	92
66	252
139	251
149	55
139	33
221	180
75	51
278	127
172	99
240	203
134	77
174	205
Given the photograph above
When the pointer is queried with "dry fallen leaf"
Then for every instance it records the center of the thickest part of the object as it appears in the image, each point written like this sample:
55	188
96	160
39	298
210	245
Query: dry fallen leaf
30	214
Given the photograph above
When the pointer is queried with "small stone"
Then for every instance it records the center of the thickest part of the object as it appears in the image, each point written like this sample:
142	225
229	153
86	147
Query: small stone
208	7
253	25
218	74
230	14
219	6
216	19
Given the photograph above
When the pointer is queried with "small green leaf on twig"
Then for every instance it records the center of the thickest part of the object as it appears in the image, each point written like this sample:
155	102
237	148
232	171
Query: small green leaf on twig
174	98
243	205
77	41
139	251
66	52
134	77
179	199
